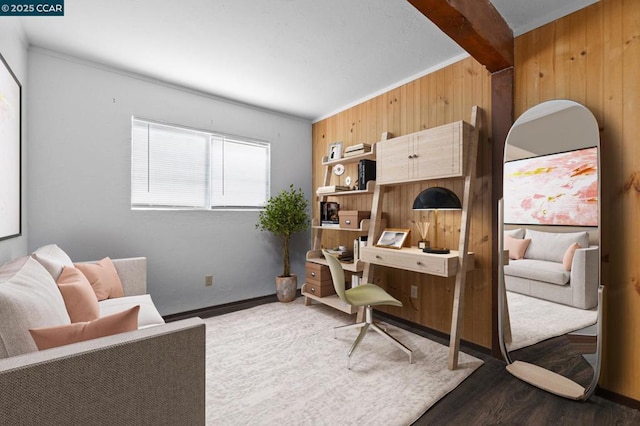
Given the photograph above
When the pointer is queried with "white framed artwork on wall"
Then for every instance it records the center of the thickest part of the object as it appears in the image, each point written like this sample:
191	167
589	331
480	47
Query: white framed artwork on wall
10	153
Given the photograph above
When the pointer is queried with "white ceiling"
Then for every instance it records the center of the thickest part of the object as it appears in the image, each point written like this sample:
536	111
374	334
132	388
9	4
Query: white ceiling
306	58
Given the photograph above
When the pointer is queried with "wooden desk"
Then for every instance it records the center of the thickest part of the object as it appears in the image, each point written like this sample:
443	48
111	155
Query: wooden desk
442	265
414	259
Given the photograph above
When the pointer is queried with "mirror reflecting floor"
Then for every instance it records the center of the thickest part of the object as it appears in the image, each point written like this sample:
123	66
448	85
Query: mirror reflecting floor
534	320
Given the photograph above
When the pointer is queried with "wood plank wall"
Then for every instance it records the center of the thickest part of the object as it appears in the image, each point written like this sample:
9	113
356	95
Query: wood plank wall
593	57
444	96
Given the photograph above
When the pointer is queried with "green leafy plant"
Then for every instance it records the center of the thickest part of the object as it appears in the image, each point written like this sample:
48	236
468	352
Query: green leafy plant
284	215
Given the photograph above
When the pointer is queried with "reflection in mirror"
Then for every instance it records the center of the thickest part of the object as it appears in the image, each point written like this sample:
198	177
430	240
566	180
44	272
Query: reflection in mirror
550	297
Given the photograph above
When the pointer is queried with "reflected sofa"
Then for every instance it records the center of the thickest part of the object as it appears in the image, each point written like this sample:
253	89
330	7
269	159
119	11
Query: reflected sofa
555	266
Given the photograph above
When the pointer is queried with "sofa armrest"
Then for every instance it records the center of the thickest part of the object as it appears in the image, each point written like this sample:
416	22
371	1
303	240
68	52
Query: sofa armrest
584	277
154	376
133	274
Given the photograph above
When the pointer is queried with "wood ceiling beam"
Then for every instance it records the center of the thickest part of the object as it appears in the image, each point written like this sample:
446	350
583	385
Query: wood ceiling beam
476	26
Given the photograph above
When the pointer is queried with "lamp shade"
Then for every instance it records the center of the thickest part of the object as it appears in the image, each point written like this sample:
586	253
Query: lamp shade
437	198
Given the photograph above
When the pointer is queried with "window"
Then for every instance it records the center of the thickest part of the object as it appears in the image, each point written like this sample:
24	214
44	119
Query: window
179	168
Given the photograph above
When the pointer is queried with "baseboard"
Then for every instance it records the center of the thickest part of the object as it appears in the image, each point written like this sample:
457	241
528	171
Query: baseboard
617	398
225	308
432	333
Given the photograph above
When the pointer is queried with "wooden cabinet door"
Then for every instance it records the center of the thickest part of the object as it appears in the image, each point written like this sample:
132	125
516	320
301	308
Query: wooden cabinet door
392	160
438	152
430	154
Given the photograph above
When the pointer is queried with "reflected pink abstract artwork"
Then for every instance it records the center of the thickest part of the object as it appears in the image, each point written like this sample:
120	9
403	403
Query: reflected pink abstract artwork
557	189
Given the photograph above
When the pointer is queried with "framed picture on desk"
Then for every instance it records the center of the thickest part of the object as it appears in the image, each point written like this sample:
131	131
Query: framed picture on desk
393	238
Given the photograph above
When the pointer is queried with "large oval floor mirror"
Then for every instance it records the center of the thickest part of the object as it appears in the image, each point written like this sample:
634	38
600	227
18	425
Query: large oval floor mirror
550	295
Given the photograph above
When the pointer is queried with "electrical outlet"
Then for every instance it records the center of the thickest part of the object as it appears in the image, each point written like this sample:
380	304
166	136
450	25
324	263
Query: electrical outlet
414	291
208	280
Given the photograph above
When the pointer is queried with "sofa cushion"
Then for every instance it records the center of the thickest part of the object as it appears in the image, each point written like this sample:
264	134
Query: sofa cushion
515	233
52	337
539	270
79	299
567	259
103	277
148	316
515	246
29	298
551	246
53	258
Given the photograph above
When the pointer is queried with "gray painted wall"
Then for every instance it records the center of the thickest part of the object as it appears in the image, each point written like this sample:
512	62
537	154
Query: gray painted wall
13	47
80	171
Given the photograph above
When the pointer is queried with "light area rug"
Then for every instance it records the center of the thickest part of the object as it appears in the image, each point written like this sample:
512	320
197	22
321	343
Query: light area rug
534	320
279	364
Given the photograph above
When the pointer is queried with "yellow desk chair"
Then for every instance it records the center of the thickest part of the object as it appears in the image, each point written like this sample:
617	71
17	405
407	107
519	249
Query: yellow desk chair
366	295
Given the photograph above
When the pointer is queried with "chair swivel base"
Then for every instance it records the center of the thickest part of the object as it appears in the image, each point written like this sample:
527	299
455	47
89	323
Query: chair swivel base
364	327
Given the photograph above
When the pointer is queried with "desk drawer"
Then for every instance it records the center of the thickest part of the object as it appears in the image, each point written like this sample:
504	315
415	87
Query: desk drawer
318	273
411	260
320	289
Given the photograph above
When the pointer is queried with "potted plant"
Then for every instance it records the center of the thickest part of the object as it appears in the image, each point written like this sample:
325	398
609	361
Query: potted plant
284	215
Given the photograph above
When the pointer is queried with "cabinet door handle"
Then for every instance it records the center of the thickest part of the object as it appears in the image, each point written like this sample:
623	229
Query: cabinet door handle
313	274
410	156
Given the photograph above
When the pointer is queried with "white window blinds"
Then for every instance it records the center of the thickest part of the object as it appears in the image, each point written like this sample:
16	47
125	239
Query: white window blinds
175	167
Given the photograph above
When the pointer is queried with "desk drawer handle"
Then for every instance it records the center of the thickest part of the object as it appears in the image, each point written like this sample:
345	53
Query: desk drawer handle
378	256
348	222
313	274
419	263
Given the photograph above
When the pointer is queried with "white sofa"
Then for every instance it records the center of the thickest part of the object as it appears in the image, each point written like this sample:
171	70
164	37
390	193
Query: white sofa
541	272
151	376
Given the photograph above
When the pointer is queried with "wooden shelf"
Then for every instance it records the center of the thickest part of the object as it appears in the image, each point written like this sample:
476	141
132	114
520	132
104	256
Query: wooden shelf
314	256
333	301
371	155
364	226
371	185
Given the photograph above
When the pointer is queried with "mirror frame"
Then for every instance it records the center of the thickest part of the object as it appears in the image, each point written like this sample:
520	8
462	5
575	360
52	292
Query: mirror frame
531	373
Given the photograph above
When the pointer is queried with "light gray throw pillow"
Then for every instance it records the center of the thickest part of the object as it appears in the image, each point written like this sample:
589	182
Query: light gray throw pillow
551	246
53	258
29	298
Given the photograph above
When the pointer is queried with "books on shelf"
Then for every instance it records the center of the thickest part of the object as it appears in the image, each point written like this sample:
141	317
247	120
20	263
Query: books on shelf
358	243
361	148
366	172
331	188
329	213
329	224
358	147
355	280
343	254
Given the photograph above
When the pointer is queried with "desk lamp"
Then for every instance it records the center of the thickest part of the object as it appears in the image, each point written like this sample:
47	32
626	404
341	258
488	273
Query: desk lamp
436	198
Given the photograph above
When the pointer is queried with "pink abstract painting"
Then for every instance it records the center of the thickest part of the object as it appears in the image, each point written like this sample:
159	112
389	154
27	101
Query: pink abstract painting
556	189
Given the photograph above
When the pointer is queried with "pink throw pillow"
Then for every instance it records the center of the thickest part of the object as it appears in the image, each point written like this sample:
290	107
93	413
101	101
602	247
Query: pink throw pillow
52	337
517	247
567	259
103	278
79	299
